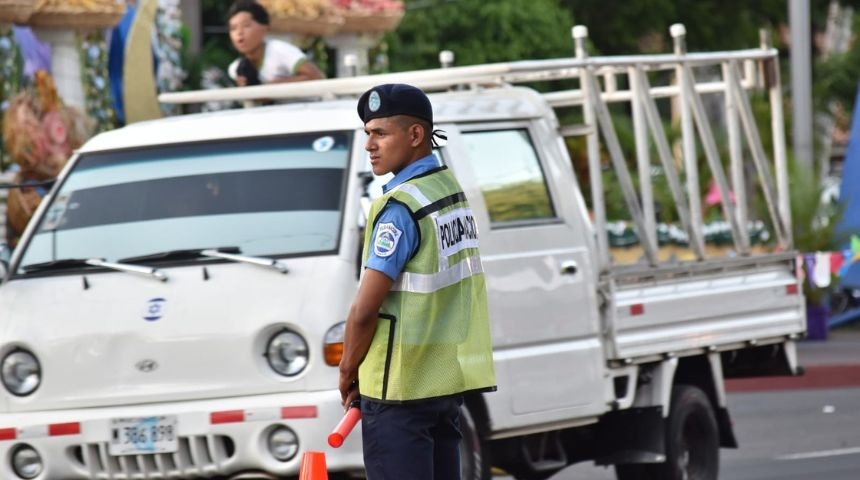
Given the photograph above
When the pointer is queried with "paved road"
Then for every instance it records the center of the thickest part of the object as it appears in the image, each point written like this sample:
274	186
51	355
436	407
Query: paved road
785	435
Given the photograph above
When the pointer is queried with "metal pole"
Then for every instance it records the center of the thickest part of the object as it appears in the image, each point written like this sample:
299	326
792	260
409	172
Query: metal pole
780	157
713	157
736	158
643	159
580	33
350	64
801	83
665	154
618	162
688	139
773	195
446	58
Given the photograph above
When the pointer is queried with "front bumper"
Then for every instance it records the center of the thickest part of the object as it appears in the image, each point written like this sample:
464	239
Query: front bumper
217	438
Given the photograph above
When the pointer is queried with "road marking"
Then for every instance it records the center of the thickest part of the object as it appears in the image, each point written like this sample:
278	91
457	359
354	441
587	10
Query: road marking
821	454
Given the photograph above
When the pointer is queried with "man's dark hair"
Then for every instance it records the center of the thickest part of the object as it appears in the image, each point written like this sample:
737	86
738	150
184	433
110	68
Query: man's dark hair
257	11
406	121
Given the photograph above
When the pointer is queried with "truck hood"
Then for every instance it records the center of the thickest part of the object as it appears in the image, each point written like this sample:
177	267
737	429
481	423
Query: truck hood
114	338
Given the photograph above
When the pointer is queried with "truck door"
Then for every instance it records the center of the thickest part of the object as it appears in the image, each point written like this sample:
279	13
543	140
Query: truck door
540	274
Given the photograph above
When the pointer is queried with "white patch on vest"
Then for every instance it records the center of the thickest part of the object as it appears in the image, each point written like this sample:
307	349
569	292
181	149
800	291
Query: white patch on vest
387	238
456	231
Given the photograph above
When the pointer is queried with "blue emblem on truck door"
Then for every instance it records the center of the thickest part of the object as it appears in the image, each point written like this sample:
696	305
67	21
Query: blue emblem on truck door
154	309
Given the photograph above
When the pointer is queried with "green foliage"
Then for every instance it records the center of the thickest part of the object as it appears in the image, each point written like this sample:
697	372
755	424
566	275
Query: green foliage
813	222
479	31
835	78
621	27
216	48
524	200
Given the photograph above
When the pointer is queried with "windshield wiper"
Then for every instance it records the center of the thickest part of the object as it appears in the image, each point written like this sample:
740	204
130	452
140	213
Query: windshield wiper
176	255
69	263
226	253
63	264
262	261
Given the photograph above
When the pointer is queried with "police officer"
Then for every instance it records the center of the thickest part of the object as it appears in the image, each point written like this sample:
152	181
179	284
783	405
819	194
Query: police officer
417	335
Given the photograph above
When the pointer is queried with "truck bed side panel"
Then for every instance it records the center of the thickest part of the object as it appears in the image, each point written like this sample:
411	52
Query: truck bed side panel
715	304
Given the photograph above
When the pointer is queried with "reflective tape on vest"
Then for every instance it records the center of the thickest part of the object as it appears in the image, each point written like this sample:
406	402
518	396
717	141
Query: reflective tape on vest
431	282
413	192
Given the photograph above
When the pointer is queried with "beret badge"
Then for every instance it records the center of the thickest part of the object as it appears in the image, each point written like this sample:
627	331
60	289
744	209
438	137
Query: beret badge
374	102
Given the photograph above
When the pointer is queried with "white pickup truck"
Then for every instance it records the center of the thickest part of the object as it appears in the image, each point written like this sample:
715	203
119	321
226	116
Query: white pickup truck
175	308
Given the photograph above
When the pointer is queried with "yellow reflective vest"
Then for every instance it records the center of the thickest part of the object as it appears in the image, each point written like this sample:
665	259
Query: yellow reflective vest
433	334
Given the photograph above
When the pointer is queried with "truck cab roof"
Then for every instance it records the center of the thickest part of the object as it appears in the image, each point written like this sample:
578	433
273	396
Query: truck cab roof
314	116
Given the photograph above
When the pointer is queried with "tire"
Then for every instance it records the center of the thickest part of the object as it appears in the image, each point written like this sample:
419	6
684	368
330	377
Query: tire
692	442
839	302
474	452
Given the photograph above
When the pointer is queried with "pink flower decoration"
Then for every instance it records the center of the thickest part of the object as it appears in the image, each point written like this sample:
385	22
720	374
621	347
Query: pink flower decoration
55	128
713	197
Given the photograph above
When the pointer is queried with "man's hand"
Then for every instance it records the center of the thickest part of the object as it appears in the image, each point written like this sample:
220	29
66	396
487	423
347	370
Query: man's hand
241	81
348	390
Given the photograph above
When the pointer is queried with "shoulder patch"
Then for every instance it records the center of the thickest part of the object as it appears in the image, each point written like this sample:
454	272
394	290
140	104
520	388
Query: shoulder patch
387	238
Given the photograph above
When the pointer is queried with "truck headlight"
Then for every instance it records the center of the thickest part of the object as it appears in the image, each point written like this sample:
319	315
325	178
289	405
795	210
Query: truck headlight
287	353
21	373
26	462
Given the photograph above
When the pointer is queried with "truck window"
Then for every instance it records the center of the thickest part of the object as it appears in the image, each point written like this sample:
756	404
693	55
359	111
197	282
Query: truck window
509	175
267	196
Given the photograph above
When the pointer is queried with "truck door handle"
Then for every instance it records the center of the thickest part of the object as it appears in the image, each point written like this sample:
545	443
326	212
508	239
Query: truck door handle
569	267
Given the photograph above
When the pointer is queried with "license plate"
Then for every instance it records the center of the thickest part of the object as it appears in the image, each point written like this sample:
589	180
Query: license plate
142	435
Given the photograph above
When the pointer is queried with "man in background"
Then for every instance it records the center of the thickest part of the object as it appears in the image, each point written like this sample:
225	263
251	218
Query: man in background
263	60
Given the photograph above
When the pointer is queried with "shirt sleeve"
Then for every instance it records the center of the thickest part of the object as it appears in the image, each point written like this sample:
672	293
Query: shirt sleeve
289	57
233	69
394	241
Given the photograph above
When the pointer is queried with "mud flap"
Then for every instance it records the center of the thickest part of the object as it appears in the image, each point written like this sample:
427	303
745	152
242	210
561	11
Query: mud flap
635	435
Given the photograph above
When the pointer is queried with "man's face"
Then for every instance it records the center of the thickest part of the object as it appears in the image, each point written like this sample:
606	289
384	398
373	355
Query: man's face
246	34
389	143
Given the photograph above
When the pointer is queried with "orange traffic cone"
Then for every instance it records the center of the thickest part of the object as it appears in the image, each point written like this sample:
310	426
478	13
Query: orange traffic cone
313	466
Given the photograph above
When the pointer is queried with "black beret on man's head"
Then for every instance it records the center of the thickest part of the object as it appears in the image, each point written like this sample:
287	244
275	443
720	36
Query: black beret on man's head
257	11
394	99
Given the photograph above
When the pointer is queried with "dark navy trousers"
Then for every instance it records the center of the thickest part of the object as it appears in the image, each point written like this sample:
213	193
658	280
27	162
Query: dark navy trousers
417	440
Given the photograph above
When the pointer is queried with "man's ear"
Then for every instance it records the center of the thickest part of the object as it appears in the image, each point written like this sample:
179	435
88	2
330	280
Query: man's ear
417	134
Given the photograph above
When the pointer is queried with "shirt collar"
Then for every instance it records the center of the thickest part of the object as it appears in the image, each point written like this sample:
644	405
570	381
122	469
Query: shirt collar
415	168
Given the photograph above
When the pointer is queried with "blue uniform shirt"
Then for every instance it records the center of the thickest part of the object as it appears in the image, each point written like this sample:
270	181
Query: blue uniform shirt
395	235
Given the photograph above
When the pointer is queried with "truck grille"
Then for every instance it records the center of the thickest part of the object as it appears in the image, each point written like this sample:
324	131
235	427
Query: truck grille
198	456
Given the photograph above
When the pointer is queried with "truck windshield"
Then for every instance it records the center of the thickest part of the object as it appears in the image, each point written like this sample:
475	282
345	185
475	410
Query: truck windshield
268	197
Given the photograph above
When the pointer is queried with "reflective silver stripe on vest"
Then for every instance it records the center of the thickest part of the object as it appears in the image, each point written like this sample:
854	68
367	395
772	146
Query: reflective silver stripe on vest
431	282
413	192
422	200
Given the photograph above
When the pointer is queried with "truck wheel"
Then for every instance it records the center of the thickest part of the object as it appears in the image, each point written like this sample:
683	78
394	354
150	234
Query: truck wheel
474	452
692	442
